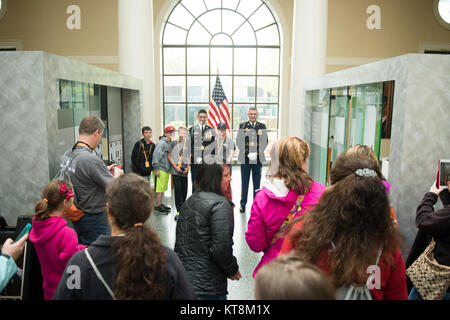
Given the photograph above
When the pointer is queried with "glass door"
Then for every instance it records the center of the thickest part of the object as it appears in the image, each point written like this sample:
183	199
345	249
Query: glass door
114	125
366	110
319	102
337	135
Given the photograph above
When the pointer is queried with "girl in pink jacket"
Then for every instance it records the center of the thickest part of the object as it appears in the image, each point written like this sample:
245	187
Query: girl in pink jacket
288	193
55	242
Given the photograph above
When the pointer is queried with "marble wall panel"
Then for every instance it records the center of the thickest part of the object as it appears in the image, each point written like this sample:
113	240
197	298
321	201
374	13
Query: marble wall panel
420	125
29	98
23	136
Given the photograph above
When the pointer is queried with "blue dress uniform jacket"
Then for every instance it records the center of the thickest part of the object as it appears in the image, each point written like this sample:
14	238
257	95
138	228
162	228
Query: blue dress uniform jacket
248	138
200	140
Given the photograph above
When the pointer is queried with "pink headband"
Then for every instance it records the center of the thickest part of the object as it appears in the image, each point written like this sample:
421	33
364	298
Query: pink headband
63	189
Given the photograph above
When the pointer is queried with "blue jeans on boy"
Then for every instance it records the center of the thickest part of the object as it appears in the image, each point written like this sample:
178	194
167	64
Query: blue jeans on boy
90	227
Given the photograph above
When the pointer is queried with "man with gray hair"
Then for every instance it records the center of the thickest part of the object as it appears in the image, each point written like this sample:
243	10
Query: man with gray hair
89	176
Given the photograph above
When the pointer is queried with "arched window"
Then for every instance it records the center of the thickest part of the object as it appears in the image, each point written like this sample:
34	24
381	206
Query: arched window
237	39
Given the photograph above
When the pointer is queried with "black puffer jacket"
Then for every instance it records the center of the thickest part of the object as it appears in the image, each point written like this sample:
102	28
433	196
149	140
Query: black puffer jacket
204	242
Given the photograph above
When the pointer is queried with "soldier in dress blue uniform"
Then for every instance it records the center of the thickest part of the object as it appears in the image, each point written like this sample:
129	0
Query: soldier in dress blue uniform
201	136
251	140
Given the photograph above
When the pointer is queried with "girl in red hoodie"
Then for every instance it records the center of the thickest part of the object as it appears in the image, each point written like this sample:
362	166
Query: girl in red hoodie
53	240
349	227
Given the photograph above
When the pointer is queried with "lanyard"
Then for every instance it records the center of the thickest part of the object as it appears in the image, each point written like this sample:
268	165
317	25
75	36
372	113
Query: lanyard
180	156
221	144
145	153
80	143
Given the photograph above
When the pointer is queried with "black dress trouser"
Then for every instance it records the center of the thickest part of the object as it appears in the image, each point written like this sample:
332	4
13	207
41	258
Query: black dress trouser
180	184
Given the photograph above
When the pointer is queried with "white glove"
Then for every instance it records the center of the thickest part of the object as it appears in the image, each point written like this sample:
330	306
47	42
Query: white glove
199	160
252	156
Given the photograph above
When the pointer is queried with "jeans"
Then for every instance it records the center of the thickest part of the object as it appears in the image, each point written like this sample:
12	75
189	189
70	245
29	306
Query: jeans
180	184
90	227
245	176
415	295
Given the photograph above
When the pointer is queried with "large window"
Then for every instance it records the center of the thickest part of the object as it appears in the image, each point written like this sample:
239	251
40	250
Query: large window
237	39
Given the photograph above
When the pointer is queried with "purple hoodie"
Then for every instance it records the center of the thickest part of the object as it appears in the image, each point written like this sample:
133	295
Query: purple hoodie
271	206
55	243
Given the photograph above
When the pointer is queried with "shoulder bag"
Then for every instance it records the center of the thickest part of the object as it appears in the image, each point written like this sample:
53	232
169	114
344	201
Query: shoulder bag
430	278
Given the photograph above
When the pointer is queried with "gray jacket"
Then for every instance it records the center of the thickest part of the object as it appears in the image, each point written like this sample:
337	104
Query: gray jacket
160	160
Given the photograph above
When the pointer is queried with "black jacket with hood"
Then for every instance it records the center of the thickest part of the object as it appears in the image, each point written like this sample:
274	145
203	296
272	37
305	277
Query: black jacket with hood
140	150
204	242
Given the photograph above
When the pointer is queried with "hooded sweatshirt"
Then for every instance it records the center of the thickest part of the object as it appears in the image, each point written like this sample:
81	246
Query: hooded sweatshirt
271	206
160	160
55	243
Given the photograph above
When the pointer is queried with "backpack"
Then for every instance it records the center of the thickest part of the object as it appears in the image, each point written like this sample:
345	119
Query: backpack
73	213
353	292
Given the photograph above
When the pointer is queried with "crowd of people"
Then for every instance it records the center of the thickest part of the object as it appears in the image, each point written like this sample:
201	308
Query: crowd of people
318	242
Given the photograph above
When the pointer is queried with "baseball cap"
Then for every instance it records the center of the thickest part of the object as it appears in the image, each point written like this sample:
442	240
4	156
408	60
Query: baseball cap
169	128
222	125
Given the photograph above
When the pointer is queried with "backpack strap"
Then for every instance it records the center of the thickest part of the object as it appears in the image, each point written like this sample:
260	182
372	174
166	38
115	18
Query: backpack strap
380	251
99	275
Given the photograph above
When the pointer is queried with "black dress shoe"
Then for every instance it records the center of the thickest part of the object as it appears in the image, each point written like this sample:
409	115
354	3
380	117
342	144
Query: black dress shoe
161	209
242	209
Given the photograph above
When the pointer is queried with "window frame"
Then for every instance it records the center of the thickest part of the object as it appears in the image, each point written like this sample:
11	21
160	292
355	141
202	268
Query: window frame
211	73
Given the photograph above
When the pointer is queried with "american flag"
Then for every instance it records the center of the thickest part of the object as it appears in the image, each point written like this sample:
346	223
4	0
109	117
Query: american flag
218	111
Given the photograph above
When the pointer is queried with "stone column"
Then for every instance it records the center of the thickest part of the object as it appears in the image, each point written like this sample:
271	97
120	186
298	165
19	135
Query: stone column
136	53
309	50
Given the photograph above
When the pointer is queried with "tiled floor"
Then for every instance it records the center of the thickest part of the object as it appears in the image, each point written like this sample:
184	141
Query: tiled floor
165	225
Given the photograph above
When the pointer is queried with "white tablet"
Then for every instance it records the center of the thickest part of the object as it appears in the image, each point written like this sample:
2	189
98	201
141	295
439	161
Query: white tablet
443	173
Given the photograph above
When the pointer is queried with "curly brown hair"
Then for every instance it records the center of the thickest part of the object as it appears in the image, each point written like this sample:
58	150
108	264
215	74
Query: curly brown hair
353	213
140	256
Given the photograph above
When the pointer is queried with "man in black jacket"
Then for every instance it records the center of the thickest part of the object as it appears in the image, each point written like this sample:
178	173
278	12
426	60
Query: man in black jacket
252	141
142	154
